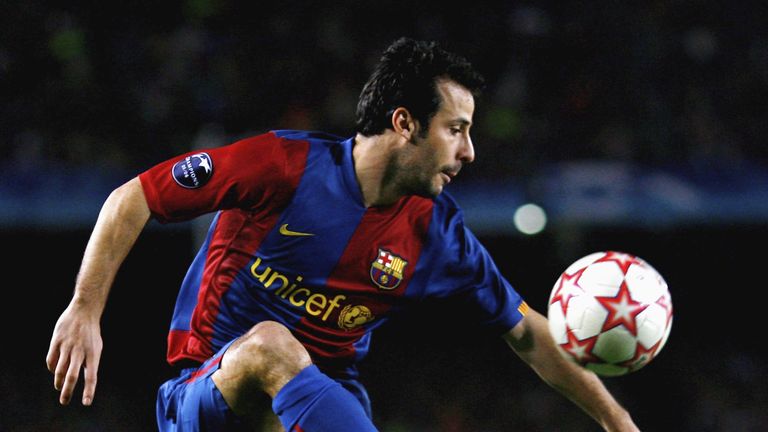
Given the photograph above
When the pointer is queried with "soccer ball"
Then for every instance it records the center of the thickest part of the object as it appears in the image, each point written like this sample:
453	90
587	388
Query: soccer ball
610	312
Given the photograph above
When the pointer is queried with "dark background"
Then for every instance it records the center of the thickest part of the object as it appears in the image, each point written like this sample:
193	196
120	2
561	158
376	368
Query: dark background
424	373
667	99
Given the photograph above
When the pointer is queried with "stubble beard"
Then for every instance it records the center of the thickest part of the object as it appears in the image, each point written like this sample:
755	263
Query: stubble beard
407	172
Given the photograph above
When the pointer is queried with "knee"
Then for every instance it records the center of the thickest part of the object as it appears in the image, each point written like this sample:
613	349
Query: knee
270	342
269	354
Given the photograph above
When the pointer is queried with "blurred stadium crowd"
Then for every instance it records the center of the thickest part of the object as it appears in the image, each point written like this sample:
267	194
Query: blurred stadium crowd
127	85
112	89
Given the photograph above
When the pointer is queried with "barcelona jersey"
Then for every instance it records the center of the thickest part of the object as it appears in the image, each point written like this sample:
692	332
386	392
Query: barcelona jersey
292	242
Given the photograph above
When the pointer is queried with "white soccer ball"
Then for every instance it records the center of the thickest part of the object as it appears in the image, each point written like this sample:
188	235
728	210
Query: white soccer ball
610	312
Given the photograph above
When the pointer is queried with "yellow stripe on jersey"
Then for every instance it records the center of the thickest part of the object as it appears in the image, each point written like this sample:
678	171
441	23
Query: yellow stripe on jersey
523	308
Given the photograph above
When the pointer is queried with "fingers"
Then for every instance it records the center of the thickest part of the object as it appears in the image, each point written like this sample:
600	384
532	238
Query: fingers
66	375
62	363
66	369
51	360
91	369
75	345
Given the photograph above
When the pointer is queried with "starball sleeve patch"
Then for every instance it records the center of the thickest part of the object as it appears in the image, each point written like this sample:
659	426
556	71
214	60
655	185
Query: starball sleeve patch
193	171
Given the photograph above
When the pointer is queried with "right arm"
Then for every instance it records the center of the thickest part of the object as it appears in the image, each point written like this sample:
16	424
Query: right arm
76	342
531	340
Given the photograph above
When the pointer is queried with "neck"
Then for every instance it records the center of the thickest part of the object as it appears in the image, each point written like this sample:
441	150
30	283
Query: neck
373	160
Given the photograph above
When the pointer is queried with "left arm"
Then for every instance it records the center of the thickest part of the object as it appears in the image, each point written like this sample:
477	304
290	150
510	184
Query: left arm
531	340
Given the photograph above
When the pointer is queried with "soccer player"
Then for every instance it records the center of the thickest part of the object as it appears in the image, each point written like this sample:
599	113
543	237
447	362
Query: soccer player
316	241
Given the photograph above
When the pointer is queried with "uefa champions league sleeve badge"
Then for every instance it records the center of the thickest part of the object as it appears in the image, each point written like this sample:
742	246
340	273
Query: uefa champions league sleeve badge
193	171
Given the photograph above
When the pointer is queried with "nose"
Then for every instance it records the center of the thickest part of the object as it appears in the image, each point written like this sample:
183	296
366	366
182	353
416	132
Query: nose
467	151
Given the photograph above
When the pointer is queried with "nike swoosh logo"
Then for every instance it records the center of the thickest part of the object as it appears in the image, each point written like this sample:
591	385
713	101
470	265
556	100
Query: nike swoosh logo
286	232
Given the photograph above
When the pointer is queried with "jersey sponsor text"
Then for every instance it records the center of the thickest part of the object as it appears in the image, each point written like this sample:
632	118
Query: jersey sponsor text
316	304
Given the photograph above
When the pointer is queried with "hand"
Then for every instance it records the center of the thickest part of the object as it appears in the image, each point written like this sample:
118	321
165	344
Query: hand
76	344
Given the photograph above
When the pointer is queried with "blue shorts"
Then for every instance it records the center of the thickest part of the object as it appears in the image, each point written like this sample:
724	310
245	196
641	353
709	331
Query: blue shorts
192	402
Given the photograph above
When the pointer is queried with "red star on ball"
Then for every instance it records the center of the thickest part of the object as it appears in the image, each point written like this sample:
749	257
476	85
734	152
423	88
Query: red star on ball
623	260
622	310
665	302
566	288
642	356
580	350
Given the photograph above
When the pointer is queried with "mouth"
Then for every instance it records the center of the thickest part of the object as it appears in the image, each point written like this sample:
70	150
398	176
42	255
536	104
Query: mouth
449	174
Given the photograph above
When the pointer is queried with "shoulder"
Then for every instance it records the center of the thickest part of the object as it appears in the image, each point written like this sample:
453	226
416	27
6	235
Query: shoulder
283	147
312	137
447	212
440	212
305	135
288	137
447	229
447	201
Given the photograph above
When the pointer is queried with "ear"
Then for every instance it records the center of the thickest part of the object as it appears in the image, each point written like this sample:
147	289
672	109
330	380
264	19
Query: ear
403	123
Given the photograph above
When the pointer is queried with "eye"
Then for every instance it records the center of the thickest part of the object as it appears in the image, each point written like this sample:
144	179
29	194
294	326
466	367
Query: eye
455	131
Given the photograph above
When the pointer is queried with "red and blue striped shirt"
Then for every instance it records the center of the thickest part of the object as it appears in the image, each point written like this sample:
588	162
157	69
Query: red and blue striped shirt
293	242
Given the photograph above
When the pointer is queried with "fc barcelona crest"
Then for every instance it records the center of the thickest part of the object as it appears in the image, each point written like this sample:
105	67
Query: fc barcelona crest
387	270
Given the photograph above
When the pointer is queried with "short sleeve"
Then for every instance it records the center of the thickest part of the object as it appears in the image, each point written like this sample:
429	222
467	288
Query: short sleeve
250	173
464	273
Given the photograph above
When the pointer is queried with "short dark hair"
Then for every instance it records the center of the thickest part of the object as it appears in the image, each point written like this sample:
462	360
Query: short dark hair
407	76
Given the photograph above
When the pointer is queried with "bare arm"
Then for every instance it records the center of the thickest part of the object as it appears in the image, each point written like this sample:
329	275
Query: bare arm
76	340
531	340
